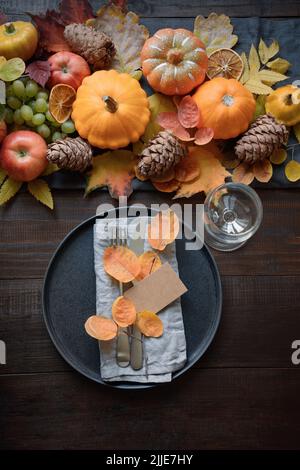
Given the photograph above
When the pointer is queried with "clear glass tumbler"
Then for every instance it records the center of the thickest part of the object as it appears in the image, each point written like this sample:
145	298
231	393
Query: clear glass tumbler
232	214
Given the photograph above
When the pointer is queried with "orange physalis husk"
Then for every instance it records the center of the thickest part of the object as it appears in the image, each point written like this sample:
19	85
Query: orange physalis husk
150	262
187	169
60	102
123	311
163	229
167	187
150	324
101	328
121	263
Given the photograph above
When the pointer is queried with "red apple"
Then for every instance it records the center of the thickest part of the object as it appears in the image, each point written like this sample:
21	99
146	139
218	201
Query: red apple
68	68
23	155
3	130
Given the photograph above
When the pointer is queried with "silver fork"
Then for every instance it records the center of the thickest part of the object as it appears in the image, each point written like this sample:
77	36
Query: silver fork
123	344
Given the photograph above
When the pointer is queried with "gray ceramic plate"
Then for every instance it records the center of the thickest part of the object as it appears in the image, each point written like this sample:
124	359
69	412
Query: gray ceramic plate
69	298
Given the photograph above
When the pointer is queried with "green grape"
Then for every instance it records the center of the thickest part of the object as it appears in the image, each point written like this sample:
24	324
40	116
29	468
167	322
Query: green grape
68	127
56	135
55	124
26	112
31	103
41	105
19	89
31	88
44	131
49	117
30	124
13	102
9	116
18	119
38	119
43	95
10	91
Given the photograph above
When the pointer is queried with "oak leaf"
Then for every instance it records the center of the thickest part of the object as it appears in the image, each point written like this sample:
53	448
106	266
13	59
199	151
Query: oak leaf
127	35
116	170
215	32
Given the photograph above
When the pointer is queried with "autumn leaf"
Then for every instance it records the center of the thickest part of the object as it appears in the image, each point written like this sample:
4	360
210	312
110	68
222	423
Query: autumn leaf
292	171
266	53
158	103
11	69
127	35
278	157
215	32
3	175
51	168
188	112
259	107
271	77
8	190
257	87
243	174
211	174
279	65
246	70
263	171
254	63
112	169
41	191
204	135
51	32
39	71
296	130
75	11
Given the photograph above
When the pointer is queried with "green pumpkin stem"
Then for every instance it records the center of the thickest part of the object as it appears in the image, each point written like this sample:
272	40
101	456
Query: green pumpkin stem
110	104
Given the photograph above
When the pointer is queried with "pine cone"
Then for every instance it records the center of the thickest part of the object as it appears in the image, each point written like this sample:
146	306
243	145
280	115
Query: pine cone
73	154
162	152
95	47
263	137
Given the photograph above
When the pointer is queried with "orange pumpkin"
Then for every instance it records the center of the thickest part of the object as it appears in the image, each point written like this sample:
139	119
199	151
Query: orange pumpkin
111	109
226	106
174	61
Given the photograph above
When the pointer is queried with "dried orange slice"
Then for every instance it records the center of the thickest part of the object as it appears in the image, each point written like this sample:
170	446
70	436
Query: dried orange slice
225	63
60	102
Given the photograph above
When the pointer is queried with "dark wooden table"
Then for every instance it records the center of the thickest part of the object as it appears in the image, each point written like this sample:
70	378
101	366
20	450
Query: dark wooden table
244	393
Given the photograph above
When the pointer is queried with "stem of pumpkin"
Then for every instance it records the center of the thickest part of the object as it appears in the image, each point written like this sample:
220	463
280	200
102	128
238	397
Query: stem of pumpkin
9	28
110	104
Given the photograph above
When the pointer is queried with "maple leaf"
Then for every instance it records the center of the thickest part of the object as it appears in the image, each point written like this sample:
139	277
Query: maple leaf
115	170
75	11
51	32
127	35
215	32
211	174
39	71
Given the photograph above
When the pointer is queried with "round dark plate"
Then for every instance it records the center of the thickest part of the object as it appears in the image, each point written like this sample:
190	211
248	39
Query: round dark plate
69	298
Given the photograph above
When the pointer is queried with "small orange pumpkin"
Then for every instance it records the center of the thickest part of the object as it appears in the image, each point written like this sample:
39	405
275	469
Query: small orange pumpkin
226	106
174	61
111	109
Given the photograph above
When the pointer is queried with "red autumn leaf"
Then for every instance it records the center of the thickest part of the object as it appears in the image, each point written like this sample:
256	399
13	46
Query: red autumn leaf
39	71
3	18
204	135
75	11
51	32
168	120
182	134
188	112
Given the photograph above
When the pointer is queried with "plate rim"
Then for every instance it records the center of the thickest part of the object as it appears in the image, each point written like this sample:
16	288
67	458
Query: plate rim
128	385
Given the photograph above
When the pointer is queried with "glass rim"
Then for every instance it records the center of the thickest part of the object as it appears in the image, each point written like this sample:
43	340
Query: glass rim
245	188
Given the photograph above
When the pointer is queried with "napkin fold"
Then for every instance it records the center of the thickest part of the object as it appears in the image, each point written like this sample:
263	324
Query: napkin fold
163	355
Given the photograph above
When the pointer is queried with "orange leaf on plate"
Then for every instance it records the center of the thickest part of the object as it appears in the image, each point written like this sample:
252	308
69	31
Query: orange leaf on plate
167	187
121	263
163	229
204	135
243	174
101	328
150	324
188	112
263	171
116	170
150	262
123	311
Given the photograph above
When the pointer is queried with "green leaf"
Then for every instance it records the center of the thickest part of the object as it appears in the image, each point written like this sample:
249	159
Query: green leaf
279	65
265	52
254	62
270	76
3	175
41	191
12	69
8	189
51	168
2	92
260	106
296	130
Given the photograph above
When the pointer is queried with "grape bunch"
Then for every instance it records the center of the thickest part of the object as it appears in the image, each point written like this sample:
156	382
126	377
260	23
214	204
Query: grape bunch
27	105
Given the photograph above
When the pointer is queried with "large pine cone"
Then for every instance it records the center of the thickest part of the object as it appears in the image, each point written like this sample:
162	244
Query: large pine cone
95	47
162	153
263	137
73	154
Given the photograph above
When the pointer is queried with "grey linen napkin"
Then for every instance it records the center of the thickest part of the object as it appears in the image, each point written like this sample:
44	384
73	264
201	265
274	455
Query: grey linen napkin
163	355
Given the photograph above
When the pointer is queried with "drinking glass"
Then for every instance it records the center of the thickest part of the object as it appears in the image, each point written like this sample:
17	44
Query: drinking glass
232	214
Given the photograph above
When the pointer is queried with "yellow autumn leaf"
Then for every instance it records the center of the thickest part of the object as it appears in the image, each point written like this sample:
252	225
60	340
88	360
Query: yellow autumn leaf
211	174
270	76
41	191
267	52
8	189
260	108
246	72
296	130
279	156
263	171
243	174
51	168
279	65
158	103
215	31
292	171
3	175
127	35
116	170
257	87
254	62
